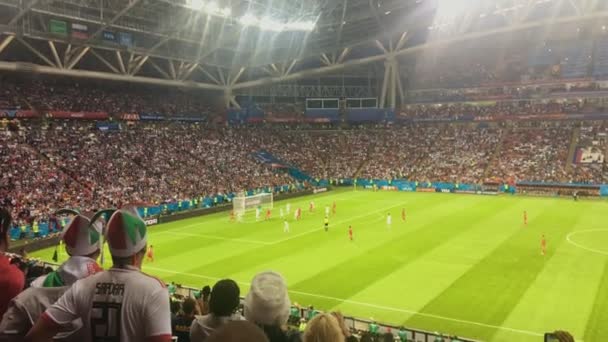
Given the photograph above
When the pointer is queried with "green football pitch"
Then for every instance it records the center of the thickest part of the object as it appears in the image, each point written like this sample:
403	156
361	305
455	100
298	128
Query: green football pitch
460	264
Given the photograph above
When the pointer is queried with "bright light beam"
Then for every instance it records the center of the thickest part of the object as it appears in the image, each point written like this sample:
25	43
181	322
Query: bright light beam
448	10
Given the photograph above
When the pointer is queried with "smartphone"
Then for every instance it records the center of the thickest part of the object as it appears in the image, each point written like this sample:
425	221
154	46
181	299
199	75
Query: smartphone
550	337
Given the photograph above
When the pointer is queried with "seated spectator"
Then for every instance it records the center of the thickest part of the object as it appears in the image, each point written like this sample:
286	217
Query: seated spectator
267	305
82	251
323	328
181	324
223	302
388	337
139	301
12	280
238	331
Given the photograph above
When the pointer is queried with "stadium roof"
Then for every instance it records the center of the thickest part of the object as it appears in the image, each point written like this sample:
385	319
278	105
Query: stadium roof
220	44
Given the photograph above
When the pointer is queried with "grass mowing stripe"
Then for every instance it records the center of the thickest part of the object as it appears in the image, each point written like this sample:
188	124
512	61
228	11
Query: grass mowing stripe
369	305
597	327
374	263
227	230
252	258
492	288
212	237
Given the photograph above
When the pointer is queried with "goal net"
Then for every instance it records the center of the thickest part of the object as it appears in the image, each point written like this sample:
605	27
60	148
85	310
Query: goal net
243	204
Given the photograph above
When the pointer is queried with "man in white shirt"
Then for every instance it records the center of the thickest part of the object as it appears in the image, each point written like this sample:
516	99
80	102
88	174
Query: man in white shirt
82	243
83	252
121	304
285	226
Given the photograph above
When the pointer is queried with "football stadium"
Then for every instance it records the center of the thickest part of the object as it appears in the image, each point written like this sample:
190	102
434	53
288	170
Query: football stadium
303	170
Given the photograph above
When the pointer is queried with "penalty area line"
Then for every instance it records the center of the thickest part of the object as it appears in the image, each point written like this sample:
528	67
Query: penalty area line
369	305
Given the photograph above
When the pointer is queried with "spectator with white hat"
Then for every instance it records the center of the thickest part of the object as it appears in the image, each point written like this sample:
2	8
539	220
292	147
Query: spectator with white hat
267	304
121	304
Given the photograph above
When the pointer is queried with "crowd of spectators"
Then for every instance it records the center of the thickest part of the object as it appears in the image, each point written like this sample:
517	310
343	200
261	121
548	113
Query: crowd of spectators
534	154
500	109
589	162
72	164
433	153
57	164
45	94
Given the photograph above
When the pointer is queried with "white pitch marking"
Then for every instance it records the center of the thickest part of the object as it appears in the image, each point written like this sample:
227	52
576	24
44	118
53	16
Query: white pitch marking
569	239
375	306
169	232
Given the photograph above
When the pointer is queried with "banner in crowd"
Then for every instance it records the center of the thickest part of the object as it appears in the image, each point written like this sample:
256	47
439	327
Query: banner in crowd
17	113
129	116
108	126
186	118
57	114
151	117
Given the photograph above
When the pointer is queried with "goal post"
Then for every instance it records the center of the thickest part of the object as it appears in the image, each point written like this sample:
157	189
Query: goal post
243	204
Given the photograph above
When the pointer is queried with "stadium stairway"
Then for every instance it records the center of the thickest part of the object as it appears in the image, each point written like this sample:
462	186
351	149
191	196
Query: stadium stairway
272	161
496	153
576	134
363	164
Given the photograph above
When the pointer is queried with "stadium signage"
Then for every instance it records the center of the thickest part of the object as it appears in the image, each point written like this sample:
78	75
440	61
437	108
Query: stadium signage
77	115
425	189
319	190
151	221
109	36
11	113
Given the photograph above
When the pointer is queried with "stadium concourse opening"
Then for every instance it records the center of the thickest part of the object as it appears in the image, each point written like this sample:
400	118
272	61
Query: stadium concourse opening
348	170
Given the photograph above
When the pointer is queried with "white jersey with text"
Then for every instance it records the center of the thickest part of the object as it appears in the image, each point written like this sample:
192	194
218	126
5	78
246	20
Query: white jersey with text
121	304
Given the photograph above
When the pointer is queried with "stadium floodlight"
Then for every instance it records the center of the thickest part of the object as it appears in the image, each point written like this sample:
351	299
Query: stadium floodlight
226	12
195	4
270	24
301	26
212	7
248	20
448	10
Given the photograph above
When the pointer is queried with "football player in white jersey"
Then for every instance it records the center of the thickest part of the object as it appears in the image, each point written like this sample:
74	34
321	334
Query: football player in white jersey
121	304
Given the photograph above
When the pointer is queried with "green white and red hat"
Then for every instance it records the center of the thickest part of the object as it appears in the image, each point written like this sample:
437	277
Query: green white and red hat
126	233
81	238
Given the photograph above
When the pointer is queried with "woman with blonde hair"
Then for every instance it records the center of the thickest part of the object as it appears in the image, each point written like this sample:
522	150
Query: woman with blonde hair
323	328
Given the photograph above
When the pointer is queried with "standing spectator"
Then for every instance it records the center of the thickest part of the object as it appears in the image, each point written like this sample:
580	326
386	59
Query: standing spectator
83	254
267	305
223	303
28	306
203	301
121	304
181	324
323	328
12	280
